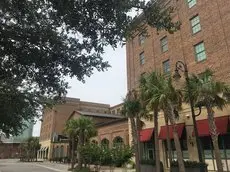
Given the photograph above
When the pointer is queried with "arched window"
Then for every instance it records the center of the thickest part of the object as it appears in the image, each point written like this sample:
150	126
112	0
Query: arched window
95	142
118	141
105	143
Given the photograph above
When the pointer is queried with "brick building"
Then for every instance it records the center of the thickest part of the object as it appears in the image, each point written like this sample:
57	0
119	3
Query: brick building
202	42
9	150
110	127
10	146
52	139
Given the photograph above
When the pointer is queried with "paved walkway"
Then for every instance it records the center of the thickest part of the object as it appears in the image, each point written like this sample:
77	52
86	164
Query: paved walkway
65	167
8	165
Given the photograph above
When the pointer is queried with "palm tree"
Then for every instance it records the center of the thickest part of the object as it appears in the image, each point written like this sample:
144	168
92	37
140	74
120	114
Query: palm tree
35	146
207	92
29	148
71	131
86	129
160	94
80	129
131	109
146	96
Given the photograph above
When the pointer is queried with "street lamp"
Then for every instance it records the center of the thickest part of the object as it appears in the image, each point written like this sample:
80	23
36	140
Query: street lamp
181	66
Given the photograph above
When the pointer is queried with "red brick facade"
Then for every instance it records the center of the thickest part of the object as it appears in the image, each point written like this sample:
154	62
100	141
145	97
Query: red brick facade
213	29
215	33
112	130
54	119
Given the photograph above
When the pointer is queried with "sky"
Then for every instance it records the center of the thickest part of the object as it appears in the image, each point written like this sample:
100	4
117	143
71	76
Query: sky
107	87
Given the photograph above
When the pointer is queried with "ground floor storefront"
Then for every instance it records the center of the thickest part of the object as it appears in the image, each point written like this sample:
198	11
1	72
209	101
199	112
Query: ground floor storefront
188	143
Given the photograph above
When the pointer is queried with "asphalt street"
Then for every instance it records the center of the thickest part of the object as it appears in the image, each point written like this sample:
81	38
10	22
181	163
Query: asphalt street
15	166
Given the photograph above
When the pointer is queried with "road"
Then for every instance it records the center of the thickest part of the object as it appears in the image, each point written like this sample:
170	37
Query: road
15	166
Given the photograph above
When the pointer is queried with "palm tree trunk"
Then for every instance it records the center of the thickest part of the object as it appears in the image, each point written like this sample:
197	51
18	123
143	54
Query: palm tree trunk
168	139
135	146
176	137
178	149
72	153
79	156
214	136
138	123
156	140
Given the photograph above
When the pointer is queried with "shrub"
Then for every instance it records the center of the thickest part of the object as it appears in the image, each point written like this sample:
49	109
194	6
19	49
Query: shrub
190	164
121	155
148	162
117	156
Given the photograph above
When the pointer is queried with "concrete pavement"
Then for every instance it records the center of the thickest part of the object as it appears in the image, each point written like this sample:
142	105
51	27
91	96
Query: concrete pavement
16	166
13	165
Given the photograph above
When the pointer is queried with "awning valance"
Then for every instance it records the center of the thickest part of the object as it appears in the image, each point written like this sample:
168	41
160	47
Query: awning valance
146	134
163	131
221	126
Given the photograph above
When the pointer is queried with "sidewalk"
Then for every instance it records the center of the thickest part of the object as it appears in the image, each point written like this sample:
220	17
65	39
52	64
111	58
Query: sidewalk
58	166
107	169
64	167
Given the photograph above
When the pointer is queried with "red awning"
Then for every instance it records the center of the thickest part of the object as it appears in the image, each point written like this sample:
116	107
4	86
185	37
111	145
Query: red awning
163	131
146	134
221	125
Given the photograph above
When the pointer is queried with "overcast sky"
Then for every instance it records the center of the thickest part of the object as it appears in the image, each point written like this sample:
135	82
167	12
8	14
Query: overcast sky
102	87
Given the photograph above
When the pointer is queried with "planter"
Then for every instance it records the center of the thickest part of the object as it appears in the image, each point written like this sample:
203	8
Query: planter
188	169
149	168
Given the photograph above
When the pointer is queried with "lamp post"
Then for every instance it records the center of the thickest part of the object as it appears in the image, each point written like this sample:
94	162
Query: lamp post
181	66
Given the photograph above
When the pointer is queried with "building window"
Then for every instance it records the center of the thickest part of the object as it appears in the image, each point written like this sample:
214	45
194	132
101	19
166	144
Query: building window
141	39
164	44
142	58
148	150
200	52
118	142
195	23
166	67
105	143
191	3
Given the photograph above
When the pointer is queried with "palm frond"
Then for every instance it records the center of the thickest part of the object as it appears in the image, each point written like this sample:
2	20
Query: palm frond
204	89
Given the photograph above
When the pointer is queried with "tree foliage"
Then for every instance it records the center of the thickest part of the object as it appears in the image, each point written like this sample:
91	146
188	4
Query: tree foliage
80	130
42	42
100	155
207	92
28	149
160	94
